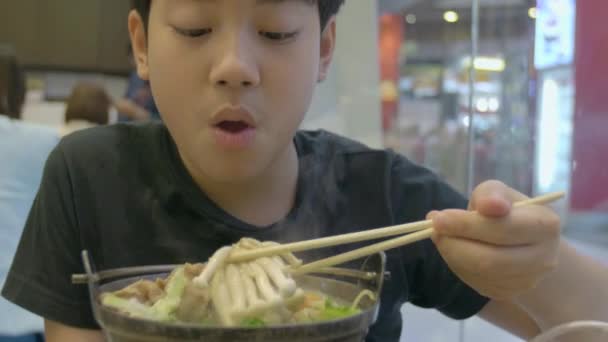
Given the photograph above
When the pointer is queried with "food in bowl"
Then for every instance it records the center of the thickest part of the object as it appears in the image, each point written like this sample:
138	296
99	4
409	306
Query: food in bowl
256	293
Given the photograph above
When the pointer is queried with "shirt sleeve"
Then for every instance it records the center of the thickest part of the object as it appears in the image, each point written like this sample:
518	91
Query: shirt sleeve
49	253
416	191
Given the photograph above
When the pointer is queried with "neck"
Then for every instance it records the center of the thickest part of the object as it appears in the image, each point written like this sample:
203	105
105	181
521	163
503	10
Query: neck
260	201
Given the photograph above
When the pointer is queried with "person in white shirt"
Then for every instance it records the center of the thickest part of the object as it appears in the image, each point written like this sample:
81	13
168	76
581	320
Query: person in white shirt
24	148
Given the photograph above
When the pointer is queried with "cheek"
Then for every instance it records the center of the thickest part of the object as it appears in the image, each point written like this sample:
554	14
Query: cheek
294	97
293	80
174	82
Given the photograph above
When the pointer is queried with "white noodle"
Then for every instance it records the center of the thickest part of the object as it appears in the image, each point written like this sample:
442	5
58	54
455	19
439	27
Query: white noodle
286	286
215	262
233	278
364	293
221	299
256	288
289	257
264	307
268	293
251	291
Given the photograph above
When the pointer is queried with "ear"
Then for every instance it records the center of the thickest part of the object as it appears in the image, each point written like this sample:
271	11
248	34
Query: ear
328	45
137	32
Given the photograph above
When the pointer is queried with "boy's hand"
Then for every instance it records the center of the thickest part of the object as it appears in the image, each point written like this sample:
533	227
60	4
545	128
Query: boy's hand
500	252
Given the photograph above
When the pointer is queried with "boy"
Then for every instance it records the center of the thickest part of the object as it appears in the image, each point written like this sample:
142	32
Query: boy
233	80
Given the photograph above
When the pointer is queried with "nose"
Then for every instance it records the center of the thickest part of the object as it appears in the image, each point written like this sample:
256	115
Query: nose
236	66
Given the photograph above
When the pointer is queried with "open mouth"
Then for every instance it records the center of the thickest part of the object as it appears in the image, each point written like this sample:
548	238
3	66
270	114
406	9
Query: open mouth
233	127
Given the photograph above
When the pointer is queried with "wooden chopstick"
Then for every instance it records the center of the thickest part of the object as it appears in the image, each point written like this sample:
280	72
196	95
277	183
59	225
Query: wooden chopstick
341	239
329	241
400	241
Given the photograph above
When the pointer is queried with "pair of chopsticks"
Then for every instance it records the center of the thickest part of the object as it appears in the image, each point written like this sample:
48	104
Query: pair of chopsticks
415	231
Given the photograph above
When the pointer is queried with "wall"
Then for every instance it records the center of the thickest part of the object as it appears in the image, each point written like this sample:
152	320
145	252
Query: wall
348	102
589	190
67	34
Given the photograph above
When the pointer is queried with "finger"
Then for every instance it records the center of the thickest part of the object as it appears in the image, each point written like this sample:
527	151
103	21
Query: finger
523	226
485	260
494	199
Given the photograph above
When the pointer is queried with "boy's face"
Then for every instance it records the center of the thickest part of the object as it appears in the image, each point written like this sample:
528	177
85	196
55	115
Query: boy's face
233	79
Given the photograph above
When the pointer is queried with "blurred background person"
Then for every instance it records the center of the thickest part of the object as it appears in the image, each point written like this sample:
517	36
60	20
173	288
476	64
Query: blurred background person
24	148
444	146
88	106
138	103
12	84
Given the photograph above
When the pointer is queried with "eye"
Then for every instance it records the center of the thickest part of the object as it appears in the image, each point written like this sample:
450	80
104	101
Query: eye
193	33
278	36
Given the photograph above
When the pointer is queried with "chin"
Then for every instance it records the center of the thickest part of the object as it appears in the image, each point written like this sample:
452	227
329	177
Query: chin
232	171
234	175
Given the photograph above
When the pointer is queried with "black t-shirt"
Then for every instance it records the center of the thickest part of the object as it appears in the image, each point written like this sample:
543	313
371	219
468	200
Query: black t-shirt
122	193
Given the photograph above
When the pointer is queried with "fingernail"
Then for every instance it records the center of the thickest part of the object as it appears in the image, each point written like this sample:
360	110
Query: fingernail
500	198
438	222
439	217
432	215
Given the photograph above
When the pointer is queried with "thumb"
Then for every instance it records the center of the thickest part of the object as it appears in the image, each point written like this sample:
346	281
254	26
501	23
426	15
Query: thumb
494	199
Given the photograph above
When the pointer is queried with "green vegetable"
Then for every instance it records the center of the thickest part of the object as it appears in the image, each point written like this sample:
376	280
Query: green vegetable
163	310
166	306
333	311
131	307
207	322
253	322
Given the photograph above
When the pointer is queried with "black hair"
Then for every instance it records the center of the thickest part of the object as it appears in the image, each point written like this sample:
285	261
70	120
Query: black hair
327	9
12	84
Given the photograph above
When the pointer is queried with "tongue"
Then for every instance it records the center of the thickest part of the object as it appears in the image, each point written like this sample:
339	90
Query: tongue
233	126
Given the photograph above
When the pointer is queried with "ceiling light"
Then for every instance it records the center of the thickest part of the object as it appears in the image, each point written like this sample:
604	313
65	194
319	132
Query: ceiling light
494	104
450	16
486	63
411	19
482	105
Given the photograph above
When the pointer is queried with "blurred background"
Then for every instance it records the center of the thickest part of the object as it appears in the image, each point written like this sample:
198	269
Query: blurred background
473	89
